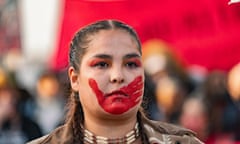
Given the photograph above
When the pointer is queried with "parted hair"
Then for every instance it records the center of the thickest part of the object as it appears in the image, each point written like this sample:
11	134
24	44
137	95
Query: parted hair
78	48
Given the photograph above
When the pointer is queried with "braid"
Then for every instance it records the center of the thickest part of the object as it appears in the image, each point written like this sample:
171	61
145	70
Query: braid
143	135
76	118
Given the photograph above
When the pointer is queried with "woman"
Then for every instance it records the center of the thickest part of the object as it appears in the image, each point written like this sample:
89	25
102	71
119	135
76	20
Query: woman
107	81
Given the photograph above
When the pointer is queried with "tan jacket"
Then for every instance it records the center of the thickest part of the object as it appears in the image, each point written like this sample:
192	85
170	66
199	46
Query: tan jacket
157	132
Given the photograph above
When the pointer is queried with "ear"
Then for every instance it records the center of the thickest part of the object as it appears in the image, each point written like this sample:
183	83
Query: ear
73	76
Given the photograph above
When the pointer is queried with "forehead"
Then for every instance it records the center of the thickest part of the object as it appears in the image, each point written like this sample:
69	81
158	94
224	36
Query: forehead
112	39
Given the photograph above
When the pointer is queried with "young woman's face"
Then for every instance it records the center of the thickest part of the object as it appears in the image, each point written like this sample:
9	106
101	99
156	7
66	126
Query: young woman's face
111	76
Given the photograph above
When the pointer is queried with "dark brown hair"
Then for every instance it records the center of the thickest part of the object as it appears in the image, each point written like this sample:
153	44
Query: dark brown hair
78	48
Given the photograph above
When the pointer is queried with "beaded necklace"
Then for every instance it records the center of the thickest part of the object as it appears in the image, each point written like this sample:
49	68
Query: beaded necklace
129	138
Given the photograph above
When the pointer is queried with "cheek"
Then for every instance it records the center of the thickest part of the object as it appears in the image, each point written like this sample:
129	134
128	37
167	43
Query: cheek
135	88
85	92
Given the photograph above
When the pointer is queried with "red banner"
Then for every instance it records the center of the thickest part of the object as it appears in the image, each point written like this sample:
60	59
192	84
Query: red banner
203	32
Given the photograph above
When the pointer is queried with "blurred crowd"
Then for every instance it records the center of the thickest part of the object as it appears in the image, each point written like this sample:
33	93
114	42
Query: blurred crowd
207	102
32	100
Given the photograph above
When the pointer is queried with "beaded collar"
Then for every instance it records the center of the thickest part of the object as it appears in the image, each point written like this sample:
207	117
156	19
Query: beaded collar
129	138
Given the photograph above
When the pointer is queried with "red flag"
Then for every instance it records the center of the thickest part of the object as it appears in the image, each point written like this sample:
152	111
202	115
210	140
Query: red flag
202	32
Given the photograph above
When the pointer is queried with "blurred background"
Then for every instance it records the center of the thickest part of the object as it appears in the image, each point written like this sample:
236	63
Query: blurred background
191	55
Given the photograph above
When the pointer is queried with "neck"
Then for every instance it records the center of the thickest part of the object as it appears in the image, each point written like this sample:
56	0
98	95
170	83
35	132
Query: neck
130	138
101	126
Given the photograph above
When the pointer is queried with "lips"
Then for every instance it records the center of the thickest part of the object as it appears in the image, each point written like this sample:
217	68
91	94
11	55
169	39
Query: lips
118	92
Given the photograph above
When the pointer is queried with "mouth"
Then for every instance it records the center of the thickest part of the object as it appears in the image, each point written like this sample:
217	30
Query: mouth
118	92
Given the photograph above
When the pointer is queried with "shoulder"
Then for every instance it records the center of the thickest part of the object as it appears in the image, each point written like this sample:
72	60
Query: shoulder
38	140
161	132
60	135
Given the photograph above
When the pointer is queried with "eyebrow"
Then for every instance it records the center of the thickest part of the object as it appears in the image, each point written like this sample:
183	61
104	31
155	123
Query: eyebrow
128	56
131	55
103	56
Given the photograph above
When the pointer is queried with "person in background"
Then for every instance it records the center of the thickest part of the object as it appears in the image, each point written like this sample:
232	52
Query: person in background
171	81
194	115
233	86
223	114
107	85
47	107
15	127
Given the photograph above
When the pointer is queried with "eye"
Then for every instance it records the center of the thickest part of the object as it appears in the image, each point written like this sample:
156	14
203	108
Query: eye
101	65
132	65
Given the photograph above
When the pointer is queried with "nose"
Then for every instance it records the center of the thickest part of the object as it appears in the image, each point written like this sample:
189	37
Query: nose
117	80
116	76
